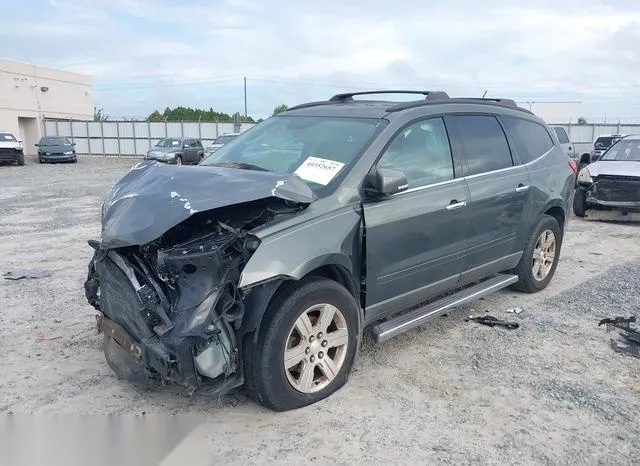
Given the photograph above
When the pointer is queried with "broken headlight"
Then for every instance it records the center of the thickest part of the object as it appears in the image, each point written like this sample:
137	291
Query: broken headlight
584	176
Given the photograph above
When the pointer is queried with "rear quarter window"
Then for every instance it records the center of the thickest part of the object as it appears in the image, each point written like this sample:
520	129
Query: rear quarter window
532	139
562	135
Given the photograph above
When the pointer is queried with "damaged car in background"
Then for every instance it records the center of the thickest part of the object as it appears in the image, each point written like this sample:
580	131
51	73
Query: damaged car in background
609	189
263	265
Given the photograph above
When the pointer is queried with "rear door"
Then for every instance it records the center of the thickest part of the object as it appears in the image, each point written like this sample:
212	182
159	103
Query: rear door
499	194
193	151
416	239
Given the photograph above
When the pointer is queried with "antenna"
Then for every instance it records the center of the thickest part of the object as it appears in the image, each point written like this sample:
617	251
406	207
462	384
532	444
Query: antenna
485	94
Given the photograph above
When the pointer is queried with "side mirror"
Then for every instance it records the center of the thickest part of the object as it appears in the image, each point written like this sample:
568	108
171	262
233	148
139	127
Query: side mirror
37	145
385	181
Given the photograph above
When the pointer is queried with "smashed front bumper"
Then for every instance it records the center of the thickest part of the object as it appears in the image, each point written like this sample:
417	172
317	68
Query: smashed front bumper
171	320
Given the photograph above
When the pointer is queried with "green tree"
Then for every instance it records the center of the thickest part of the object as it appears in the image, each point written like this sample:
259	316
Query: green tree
280	108
582	121
99	115
196	114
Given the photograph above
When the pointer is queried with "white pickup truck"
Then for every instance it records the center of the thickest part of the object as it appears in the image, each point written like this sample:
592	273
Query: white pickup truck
565	142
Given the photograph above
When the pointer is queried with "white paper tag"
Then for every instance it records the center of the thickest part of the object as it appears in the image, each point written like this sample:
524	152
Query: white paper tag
318	170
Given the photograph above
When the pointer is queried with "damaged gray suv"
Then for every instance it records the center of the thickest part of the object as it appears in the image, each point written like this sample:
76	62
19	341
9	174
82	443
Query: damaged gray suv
263	265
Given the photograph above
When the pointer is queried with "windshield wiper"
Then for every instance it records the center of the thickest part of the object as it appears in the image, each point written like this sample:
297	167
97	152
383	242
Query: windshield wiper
240	165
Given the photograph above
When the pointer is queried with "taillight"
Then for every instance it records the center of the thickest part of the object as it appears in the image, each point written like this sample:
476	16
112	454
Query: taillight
574	166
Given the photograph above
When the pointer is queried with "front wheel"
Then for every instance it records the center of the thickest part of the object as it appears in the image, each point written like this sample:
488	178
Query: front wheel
178	160
305	347
540	257
21	160
579	203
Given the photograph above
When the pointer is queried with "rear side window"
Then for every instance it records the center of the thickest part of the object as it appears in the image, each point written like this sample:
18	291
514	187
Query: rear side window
198	143
531	138
484	143
562	135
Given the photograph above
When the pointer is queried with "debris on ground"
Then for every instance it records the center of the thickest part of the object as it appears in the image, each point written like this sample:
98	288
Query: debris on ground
630	346
515	310
28	274
493	322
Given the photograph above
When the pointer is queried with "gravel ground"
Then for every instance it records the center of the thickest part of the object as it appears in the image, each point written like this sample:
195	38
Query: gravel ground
452	392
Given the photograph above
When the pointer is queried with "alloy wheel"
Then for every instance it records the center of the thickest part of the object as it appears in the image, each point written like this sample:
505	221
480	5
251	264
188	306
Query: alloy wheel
544	255
316	347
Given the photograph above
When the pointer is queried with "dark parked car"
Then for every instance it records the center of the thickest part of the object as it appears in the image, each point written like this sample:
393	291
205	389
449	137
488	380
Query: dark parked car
265	264
611	186
177	151
56	149
10	149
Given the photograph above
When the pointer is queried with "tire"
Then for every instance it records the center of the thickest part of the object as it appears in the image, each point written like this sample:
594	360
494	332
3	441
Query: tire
281	386
528	281
579	203
178	160
21	160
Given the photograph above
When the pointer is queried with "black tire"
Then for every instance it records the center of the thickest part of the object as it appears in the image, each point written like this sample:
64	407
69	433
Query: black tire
178	160
264	368
527	282
21	160
579	203
40	160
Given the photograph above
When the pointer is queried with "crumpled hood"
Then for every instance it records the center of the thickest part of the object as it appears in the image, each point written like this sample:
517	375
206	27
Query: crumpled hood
614	167
154	197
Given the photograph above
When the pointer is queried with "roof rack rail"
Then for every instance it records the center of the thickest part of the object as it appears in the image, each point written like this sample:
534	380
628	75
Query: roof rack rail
429	95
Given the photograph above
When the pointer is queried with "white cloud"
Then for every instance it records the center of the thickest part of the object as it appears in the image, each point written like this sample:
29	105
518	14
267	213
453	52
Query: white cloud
159	51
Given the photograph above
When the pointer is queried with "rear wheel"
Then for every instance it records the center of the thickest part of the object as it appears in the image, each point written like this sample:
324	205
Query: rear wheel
305	347
579	203
540	257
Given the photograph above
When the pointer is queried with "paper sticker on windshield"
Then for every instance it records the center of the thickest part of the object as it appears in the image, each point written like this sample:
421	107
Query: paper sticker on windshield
318	170
10	138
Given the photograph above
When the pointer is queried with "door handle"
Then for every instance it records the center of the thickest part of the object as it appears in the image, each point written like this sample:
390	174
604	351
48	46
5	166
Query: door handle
521	188
456	205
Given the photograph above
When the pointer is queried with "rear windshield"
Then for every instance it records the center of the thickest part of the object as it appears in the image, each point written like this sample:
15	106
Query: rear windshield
605	141
562	135
624	151
7	137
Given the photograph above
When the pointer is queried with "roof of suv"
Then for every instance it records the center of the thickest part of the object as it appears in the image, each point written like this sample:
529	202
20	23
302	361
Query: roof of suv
346	106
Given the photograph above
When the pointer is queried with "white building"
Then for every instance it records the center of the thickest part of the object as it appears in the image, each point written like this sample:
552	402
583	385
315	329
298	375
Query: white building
31	93
555	112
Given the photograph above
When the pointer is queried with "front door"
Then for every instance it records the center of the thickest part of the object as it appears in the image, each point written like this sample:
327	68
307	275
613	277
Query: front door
416	239
499	194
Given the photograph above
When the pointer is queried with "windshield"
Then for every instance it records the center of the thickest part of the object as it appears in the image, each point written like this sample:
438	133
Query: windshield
7	137
605	141
628	150
54	142
225	139
168	143
317	149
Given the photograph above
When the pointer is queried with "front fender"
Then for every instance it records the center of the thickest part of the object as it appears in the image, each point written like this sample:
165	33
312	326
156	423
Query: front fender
333	239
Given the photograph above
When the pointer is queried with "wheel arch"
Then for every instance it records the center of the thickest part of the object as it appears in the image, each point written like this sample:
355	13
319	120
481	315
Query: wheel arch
333	267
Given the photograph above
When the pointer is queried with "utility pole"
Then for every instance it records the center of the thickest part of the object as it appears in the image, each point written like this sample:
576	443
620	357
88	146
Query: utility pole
245	97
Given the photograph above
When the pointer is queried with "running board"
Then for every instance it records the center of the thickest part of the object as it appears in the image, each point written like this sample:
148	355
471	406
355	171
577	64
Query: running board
403	322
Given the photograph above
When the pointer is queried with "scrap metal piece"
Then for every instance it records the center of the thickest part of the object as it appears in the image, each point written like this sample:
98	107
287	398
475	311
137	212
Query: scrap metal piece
28	274
493	322
631	344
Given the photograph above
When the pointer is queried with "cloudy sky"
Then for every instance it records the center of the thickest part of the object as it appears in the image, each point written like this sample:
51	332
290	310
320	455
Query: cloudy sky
148	54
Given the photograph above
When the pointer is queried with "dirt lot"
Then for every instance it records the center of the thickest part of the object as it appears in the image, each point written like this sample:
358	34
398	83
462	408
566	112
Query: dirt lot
452	392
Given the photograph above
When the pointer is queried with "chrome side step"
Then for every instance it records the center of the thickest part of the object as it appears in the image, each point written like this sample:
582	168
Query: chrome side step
403	322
